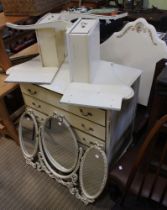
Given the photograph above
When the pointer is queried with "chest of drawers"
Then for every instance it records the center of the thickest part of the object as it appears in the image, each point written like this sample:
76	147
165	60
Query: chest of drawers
76	144
93	126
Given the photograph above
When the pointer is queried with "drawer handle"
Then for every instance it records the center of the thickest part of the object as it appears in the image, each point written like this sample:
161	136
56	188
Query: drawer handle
90	143
85	114
32	92
87	129
36	105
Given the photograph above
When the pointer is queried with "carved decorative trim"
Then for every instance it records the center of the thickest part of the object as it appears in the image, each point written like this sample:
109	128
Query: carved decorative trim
69	184
70	180
151	36
82	197
124	32
35	165
36	136
61	120
45	165
139	27
72	185
84	193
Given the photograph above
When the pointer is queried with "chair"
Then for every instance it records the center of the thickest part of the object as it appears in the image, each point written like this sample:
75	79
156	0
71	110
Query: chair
6	123
5	88
137	45
142	170
157	101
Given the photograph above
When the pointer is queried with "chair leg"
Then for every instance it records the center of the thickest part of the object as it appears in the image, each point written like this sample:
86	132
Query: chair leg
4	115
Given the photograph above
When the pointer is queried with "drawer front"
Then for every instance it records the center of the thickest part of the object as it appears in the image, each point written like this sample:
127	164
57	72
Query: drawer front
40	117
82	137
75	121
52	98
88	140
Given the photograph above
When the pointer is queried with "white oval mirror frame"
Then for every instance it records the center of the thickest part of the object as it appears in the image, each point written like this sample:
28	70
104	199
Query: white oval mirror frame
93	172
67	153
30	124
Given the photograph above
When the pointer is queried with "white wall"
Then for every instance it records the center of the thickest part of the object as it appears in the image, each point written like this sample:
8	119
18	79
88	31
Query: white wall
161	4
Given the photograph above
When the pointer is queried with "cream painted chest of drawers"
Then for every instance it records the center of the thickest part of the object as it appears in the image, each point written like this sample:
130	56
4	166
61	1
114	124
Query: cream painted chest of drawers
93	126
76	144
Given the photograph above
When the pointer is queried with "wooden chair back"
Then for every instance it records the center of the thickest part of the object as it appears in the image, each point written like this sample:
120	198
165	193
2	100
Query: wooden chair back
149	169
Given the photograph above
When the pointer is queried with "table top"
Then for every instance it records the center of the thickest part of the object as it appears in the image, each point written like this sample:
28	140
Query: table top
112	81
107	73
11	19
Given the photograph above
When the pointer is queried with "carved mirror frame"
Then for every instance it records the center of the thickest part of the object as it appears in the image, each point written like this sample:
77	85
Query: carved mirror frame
73	179
91	198
50	167
62	121
36	136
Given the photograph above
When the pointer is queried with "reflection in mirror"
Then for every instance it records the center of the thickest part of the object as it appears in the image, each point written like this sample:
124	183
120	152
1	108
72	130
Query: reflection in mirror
93	172
60	144
27	134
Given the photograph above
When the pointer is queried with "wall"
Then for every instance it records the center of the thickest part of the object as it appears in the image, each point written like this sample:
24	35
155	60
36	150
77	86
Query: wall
161	4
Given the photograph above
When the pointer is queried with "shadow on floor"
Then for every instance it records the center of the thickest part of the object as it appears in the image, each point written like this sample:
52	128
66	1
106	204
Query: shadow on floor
132	203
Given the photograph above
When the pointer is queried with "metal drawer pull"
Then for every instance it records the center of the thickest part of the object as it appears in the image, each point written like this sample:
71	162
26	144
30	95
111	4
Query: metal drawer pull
36	105
32	92
85	114
87	129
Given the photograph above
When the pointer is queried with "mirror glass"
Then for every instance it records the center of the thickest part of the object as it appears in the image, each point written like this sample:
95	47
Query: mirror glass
93	172
59	144
27	134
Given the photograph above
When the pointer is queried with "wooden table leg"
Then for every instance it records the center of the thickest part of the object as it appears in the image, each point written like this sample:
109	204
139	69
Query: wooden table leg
4	115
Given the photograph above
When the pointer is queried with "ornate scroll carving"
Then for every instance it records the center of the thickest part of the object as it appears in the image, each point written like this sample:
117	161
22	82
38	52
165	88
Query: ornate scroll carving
35	165
140	26
69	179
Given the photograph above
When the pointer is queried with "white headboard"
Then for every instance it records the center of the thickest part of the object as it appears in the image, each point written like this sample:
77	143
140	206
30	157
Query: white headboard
136	45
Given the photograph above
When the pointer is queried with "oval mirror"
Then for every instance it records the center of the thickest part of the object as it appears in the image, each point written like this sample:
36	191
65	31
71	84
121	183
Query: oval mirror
28	130
60	144
93	172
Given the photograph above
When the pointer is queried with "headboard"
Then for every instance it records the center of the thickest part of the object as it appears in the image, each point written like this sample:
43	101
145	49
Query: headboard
136	45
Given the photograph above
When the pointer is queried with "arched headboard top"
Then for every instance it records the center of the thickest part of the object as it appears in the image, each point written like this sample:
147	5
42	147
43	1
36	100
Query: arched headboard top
136	45
140	26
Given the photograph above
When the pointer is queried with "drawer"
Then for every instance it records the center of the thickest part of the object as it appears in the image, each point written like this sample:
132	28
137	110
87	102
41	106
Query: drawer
89	140
40	117
82	137
75	121
52	98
